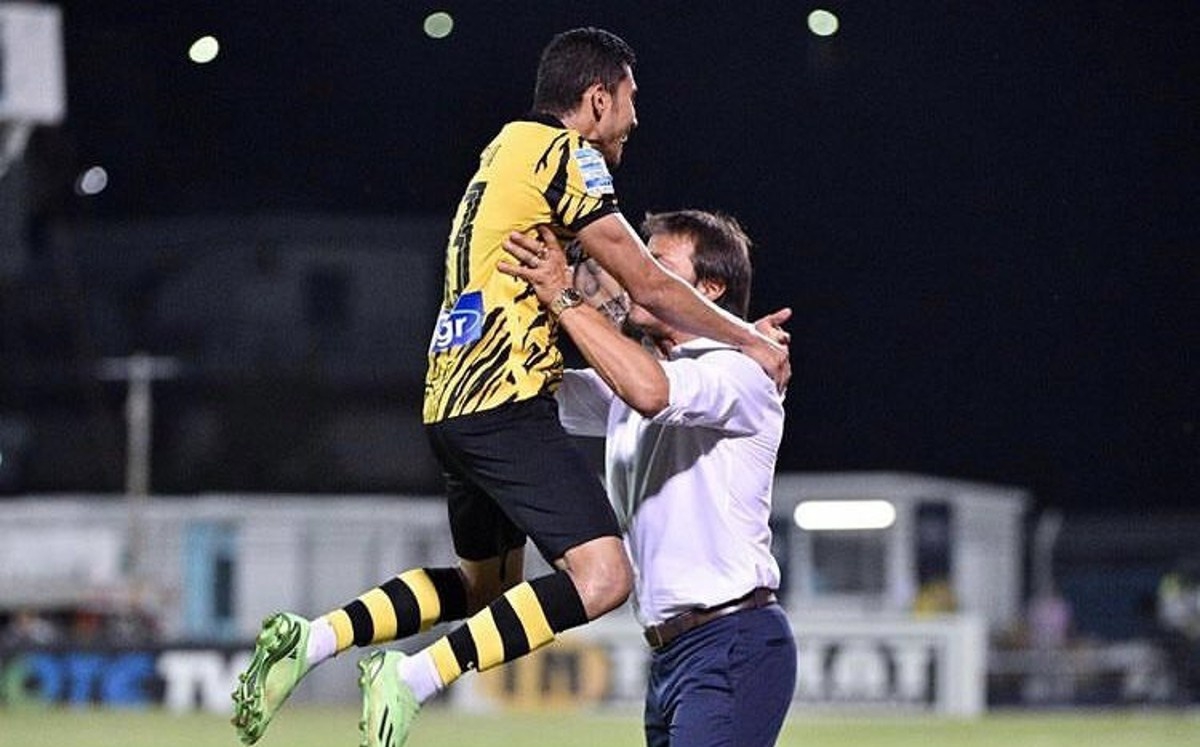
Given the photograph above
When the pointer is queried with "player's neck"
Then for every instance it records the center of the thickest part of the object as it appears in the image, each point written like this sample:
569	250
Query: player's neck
582	122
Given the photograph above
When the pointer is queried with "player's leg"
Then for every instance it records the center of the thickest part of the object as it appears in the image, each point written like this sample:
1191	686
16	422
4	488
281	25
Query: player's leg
489	546
520	456
600	572
488	579
525	618
532	473
389	713
404	605
289	646
491	560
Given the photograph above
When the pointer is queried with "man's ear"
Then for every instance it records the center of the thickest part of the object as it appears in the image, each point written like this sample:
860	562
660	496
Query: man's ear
598	98
711	289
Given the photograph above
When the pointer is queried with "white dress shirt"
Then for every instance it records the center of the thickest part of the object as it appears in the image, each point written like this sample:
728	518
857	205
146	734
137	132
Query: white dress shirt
692	485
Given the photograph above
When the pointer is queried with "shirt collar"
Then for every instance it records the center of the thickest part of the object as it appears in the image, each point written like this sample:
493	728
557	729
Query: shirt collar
697	347
542	118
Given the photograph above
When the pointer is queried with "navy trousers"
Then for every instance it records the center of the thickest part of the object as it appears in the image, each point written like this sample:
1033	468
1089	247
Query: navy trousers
727	683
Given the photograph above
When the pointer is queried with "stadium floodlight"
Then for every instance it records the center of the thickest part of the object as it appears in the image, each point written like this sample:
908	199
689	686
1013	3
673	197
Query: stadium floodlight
32	75
822	22
844	515
204	50
439	25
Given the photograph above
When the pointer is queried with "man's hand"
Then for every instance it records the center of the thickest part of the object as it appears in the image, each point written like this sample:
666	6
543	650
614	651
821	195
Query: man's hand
770	325
543	264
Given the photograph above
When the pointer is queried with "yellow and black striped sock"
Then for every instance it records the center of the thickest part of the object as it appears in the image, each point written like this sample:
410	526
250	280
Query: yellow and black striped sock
409	603
527	617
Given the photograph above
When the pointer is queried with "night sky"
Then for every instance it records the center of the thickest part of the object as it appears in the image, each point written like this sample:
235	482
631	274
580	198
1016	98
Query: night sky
983	215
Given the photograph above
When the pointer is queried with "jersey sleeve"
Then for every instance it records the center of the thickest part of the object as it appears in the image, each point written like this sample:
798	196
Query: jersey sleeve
585	192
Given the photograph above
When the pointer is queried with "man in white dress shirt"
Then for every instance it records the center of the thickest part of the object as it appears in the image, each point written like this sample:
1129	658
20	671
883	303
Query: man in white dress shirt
691	435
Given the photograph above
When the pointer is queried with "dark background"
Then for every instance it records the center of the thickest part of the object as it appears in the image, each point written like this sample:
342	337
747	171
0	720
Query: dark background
983	215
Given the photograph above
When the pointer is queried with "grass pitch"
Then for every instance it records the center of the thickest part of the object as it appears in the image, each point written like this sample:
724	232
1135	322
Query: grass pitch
308	726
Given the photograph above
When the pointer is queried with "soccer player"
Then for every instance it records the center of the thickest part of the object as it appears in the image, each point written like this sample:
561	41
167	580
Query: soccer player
511	471
691	442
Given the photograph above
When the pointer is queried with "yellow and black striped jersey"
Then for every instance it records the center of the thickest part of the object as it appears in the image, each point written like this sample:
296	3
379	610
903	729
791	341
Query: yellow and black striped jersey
493	343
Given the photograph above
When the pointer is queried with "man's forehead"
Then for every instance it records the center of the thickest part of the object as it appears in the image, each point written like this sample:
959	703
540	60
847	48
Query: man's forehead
669	243
628	79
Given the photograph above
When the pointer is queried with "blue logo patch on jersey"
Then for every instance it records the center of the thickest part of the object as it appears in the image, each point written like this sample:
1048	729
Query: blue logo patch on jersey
596	179
461	325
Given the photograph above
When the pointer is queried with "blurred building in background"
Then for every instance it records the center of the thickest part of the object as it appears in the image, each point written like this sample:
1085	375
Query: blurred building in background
299	343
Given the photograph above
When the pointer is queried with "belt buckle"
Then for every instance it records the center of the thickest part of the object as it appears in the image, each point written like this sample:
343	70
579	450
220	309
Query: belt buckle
654	636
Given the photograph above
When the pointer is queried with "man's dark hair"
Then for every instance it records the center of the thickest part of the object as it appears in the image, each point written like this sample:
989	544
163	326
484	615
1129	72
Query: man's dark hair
574	60
721	251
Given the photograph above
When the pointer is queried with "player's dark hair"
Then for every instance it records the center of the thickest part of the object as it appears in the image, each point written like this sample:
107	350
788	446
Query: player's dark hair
573	61
721	251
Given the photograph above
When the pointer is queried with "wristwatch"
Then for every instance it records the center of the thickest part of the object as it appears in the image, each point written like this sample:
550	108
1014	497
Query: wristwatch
567	298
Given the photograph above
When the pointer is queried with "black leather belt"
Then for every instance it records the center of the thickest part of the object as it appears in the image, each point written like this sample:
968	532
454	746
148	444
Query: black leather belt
662	634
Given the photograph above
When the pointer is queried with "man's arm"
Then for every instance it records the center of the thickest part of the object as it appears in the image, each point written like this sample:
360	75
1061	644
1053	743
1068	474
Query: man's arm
629	369
613	243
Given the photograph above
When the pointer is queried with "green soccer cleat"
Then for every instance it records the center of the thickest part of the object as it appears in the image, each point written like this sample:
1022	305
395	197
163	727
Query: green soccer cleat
389	707
280	661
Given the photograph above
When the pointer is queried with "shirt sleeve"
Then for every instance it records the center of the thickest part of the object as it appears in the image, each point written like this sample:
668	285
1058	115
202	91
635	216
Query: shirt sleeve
716	391
583	403
586	193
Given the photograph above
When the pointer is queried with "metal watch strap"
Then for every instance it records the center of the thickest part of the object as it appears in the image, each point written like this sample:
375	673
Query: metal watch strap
567	298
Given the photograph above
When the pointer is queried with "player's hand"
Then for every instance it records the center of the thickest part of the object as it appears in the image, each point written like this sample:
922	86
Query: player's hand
773	357
771	326
543	264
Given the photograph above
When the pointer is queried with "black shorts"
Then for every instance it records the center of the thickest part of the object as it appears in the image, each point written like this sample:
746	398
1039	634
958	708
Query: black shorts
511	473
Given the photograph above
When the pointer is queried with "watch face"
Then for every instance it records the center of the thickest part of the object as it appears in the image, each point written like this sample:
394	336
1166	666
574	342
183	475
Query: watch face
567	298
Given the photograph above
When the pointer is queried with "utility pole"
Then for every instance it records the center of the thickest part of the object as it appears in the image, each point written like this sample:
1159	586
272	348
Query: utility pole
139	370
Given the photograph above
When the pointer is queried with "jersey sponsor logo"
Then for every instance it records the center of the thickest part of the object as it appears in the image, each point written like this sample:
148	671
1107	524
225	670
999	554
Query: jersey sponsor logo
596	179
461	325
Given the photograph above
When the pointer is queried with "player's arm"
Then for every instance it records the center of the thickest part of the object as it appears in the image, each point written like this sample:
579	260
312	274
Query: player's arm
613	243
630	370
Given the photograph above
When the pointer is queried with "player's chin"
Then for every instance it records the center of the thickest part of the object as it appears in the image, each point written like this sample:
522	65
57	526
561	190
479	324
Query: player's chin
613	154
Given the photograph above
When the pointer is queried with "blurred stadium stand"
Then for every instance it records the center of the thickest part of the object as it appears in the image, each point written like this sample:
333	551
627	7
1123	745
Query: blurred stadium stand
157	574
